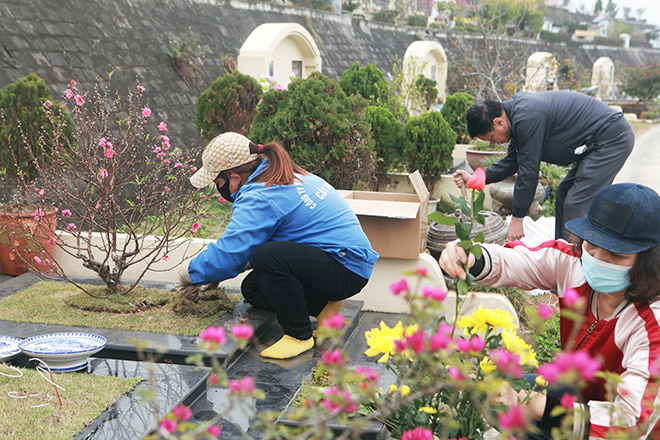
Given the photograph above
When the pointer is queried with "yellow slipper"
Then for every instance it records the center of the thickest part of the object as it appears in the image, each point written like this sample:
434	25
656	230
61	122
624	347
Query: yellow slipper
332	306
287	347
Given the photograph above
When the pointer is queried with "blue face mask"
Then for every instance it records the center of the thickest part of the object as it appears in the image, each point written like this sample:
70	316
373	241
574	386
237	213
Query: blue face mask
604	277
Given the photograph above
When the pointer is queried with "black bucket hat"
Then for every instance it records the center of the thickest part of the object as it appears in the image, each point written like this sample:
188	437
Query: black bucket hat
623	218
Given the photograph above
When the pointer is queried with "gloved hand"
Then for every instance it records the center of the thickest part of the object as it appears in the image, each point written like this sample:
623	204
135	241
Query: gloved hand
184	284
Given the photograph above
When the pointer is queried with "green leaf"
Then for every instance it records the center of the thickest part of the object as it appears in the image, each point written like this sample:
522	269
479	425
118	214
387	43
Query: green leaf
455	199
480	237
465	244
479	218
462	230
443	219
477	252
469	279
478	203
461	287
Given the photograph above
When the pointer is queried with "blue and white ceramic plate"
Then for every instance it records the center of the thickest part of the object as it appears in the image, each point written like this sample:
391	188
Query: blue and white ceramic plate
63	351
8	348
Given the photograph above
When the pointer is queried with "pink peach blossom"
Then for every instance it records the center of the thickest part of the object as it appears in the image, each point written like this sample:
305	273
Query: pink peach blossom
242	331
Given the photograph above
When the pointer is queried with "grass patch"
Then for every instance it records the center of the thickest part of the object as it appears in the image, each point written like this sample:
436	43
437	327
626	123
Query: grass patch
84	398
142	309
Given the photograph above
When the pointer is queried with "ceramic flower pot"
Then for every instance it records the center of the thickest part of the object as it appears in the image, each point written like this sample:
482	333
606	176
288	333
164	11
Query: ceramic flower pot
26	238
477	158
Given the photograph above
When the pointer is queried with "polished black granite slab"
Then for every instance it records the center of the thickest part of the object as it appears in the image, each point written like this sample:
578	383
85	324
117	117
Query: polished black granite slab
158	346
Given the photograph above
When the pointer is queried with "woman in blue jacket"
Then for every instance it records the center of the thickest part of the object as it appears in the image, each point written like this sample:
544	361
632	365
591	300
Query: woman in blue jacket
305	245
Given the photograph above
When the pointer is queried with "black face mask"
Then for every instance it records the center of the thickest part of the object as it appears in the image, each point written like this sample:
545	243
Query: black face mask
225	192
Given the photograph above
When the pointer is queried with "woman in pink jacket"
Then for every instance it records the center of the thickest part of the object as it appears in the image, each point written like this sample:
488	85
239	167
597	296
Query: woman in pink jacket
616	269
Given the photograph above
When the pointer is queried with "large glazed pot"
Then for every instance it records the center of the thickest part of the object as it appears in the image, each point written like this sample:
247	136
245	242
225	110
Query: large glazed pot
495	230
477	158
502	195
24	237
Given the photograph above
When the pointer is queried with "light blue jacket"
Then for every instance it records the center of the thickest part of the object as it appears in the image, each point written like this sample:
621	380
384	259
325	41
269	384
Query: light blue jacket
309	212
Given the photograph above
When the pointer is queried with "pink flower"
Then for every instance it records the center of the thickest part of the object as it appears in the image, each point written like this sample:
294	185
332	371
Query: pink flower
108	153
162	126
214	431
47	103
279	86
164	138
103	142
478	180
165	258
550	372
37	260
434	293
399	287
213	378
242	331
418	433
571	296
333	357
182	412
157	149
417	341
38	214
195	227
336	399
335	321
71	226
222	200
146	112
103	173
507	363
80	101
455	373
68	93
168	425
567	401
400	345
52	240
245	385
442	338
514	419
66	213
214	334
369	373
140	89
40	192
422	271
545	311
178	165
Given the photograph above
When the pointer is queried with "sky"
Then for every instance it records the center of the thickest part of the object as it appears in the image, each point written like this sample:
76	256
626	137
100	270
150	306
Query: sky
652	7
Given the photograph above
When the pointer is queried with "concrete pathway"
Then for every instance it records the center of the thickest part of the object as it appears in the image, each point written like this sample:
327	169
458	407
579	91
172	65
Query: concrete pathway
643	165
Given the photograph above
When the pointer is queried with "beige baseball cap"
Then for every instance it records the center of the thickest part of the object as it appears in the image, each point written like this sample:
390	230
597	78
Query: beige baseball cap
225	151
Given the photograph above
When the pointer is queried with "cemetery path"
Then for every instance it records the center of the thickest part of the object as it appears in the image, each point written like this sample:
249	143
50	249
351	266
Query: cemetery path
644	161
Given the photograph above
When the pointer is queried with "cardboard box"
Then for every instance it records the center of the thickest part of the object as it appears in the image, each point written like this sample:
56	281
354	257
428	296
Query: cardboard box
395	223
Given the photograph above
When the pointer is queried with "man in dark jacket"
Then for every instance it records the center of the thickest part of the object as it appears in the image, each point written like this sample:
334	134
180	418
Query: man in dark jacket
558	127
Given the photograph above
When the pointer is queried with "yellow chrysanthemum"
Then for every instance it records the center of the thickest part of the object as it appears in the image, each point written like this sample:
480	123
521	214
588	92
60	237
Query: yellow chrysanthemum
487	365
481	318
393	389
540	381
428	409
404	390
381	340
517	345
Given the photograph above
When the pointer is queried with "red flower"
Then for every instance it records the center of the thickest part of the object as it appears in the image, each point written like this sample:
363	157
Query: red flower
478	180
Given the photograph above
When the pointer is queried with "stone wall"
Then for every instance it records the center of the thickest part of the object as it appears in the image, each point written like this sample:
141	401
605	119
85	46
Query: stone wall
82	39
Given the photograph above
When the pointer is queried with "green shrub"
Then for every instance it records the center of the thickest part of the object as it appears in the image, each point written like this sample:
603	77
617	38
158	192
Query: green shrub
547	343
386	16
323	130
428	89
454	111
649	115
368	81
26	135
430	146
417	20
229	104
389	138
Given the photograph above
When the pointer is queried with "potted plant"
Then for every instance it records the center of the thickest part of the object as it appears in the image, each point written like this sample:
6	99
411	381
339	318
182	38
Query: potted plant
27	140
479	153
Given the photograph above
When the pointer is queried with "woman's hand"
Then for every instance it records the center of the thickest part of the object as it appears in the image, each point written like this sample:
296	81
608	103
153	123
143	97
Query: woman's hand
461	177
450	258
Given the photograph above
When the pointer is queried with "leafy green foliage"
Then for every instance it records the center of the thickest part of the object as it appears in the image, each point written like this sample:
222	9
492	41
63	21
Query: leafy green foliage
417	20
368	81
642	81
389	138
547	342
229	104
454	111
386	16
428	89
323	130
26	134
430	145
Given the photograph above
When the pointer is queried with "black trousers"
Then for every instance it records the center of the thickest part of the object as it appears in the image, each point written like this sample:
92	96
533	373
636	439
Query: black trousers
296	281
591	174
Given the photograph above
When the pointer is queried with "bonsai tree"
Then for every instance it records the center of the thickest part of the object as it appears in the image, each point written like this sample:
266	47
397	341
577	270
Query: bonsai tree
368	81
454	111
324	131
430	146
122	190
389	138
26	133
229	104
